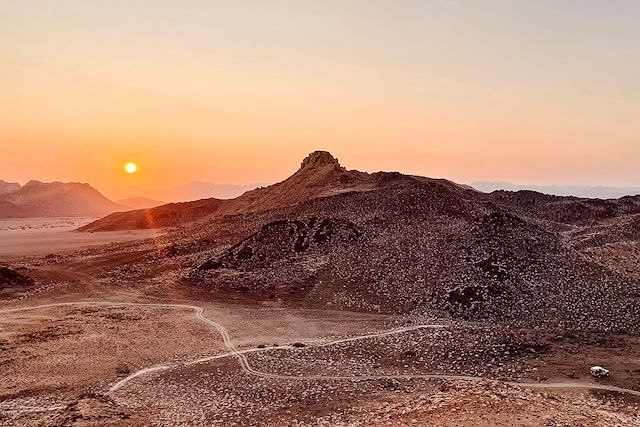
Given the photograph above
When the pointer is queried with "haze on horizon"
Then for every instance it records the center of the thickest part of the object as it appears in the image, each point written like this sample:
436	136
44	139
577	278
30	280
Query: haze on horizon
537	92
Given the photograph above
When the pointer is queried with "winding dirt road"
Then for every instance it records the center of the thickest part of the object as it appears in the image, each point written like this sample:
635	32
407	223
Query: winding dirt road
240	355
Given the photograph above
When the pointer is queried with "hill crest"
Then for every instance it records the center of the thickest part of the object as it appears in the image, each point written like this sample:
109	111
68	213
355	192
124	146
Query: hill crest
320	175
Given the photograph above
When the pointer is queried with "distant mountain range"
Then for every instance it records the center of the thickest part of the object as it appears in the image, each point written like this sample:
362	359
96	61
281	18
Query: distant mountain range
8	187
54	199
597	192
59	199
140	203
188	192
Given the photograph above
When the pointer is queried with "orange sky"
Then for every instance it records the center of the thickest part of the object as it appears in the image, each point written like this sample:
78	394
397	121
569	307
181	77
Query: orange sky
240	92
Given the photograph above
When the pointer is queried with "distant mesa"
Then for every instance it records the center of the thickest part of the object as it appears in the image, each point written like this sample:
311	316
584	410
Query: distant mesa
592	192
8	187
54	199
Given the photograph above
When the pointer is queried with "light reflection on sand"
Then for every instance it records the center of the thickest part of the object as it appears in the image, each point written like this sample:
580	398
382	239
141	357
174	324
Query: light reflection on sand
42	236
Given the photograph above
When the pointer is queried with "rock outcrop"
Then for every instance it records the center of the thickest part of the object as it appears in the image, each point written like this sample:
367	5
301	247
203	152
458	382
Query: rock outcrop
10	278
284	239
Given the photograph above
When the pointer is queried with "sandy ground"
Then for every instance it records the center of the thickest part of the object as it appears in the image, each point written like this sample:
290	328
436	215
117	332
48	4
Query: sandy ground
57	355
41	236
60	364
40	224
97	344
126	358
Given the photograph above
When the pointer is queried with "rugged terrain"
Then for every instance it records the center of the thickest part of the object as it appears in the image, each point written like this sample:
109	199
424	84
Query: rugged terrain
336	297
393	243
319	175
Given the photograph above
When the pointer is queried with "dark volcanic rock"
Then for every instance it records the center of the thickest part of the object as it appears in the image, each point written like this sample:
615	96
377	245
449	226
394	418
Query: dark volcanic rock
12	279
284	239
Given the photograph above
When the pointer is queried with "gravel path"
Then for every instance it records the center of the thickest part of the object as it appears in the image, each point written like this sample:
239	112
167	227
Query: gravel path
240	355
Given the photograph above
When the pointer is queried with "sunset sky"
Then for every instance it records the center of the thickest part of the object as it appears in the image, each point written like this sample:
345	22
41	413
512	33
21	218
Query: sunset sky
540	92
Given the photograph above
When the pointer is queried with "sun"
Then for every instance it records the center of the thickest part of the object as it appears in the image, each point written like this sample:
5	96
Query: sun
130	167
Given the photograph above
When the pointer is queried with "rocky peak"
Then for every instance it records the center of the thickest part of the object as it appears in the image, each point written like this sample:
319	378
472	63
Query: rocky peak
319	159
8	187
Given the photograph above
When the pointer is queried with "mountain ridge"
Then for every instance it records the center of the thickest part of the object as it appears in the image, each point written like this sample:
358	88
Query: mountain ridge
53	199
8	187
320	175
583	191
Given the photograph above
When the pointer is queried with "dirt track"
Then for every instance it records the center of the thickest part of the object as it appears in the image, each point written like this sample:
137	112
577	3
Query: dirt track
246	367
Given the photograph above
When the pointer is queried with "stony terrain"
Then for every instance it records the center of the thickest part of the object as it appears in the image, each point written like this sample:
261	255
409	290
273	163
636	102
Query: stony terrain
319	175
414	243
12	282
335	298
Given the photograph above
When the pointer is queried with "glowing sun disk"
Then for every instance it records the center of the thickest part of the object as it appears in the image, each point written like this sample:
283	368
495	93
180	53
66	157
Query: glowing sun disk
130	167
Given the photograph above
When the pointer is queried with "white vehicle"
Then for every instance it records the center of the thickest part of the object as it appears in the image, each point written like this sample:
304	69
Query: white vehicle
599	372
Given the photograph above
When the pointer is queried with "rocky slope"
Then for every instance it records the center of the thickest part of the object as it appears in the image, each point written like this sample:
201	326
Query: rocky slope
566	210
10	278
416	247
282	240
319	175
392	243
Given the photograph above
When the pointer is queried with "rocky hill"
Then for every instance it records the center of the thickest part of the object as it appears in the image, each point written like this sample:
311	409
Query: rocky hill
39	199
409	248
319	175
567	210
8	187
392	243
